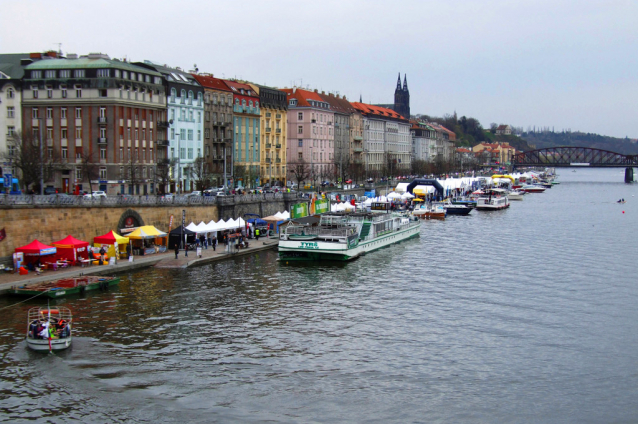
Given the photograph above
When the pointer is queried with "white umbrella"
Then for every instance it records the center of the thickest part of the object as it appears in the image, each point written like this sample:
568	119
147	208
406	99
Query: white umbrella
407	195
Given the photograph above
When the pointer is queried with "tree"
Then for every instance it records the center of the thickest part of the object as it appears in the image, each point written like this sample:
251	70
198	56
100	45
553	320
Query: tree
90	169
163	174
493	127
300	170
133	174
32	163
201	174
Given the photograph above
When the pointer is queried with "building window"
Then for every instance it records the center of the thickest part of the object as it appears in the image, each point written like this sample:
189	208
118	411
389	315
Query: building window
78	174
172	133
49	133
103	173
10	112
10	93
49	113
300	116
190	153
300	143
34	89
300	155
78	91
49	92
199	135
65	133
35	113
190	134
207	132
11	130
64	92
79	73
78	113
36	74
199	117
65	153
63	113
65	73
299	129
78	132
182	153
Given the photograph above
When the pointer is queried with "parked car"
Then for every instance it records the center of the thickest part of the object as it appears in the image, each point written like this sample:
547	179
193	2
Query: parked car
95	195
348	181
195	193
370	180
212	190
50	190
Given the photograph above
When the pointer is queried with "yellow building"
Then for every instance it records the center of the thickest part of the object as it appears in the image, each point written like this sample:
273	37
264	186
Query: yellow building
274	124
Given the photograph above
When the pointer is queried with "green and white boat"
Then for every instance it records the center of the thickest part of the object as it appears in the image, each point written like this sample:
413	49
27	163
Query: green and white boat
341	236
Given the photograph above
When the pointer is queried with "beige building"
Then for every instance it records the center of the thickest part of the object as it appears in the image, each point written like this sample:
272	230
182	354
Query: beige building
501	153
274	125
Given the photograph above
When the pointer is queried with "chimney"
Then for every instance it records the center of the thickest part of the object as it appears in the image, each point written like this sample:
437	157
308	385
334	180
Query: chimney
316	91
323	92
73	56
35	55
344	97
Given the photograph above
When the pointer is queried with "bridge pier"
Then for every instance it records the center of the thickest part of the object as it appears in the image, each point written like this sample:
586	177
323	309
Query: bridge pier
629	175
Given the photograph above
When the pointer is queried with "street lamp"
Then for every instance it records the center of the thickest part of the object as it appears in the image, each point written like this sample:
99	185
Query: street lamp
40	124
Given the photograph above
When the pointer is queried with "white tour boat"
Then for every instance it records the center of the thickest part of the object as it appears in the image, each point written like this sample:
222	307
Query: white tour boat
343	236
493	199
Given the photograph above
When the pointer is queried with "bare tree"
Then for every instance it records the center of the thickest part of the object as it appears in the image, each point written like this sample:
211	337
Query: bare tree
31	162
163	174
90	169
300	170
201	174
133	171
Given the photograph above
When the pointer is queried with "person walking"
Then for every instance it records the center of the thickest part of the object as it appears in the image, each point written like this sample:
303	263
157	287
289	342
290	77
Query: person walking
185	250
176	250
214	243
257	234
202	240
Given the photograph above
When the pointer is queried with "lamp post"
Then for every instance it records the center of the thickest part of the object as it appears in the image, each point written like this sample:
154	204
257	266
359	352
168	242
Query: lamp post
178	189
40	123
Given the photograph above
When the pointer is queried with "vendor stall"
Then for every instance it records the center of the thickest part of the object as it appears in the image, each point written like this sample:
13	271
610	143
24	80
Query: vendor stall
71	249
177	236
112	241
37	253
147	240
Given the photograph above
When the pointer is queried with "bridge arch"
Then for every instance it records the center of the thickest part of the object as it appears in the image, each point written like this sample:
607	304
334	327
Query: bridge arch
574	156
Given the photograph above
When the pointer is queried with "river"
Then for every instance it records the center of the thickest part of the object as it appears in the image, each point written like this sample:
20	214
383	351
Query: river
522	315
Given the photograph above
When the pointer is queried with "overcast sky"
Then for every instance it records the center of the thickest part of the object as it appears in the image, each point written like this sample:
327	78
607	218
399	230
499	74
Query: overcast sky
563	64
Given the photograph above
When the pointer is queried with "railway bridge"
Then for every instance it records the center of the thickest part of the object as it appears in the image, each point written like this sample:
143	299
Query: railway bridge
577	157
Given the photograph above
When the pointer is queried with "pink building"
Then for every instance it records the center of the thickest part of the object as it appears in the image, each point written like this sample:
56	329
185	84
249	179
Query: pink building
310	134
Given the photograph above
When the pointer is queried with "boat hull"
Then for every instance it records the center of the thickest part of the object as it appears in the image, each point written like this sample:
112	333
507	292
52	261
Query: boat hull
492	207
66	286
462	211
42	345
292	250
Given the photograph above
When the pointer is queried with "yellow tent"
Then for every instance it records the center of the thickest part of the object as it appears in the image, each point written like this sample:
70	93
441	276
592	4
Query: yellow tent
146	232
109	239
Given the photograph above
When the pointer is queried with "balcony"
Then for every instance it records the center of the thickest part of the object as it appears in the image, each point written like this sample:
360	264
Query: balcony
101	119
163	124
357	150
278	146
268	129
268	145
162	143
357	138
278	131
101	140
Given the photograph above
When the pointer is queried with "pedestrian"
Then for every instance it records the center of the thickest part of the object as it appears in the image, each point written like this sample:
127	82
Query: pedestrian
214	243
176	250
185	249
202	239
257	233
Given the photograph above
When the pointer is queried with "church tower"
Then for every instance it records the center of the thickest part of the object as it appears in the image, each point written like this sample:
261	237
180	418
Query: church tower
402	98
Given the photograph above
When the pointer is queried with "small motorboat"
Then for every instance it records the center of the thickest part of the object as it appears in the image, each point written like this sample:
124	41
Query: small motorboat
621	201
515	195
430	211
457	209
532	189
49	328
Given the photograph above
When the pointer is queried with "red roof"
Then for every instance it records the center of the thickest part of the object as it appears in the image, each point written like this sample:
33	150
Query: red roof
463	150
372	110
236	88
302	96
70	241
211	82
36	248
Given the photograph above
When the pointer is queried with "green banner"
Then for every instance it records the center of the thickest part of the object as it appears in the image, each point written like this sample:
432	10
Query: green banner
299	210
322	206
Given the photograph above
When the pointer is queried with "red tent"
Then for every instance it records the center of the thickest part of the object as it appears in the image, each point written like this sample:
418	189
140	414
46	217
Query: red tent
34	250
71	248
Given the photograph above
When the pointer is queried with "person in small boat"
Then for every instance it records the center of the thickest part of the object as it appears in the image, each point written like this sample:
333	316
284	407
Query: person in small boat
62	329
33	328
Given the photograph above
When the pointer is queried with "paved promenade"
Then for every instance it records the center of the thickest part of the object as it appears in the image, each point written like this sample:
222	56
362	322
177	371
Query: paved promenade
161	260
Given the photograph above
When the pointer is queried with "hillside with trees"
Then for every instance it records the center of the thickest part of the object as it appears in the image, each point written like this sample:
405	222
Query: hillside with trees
547	138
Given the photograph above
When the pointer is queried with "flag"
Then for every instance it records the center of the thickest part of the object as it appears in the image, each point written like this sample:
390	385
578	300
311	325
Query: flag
3	234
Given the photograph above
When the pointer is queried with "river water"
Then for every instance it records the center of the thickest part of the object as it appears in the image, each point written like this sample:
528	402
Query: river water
522	315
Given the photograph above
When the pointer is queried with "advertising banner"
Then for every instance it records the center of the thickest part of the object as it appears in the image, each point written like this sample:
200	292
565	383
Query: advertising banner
322	206
299	210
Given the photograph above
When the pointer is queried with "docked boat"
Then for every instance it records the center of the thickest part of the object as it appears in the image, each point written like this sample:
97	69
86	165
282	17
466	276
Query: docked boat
434	210
343	236
456	209
493	199
515	195
530	188
49	328
470	203
66	286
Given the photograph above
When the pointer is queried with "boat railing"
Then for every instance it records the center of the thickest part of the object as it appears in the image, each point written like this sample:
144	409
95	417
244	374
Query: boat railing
321	232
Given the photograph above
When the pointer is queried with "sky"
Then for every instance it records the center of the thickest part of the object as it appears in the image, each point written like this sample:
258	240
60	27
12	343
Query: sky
563	64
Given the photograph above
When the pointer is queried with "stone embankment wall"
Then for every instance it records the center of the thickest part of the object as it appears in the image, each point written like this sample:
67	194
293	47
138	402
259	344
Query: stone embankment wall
23	224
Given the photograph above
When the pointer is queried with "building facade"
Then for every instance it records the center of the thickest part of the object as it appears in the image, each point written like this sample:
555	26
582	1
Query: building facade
246	135
310	134
423	141
218	128
343	142
387	141
98	116
274	133
185	110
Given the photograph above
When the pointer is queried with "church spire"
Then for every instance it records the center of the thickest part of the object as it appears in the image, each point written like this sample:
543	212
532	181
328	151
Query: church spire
360	99
405	82
399	82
